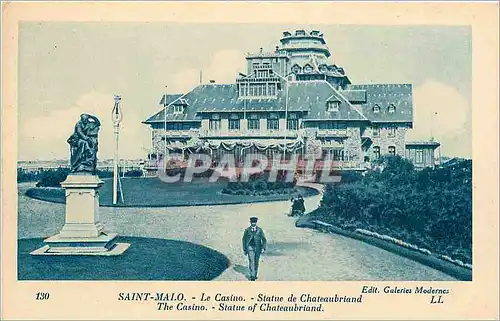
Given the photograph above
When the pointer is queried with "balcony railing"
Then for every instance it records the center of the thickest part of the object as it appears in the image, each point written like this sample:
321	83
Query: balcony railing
248	132
267	54
332	132
179	133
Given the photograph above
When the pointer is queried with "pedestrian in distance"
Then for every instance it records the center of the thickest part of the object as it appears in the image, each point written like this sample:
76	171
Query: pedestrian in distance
293	202
301	205
254	244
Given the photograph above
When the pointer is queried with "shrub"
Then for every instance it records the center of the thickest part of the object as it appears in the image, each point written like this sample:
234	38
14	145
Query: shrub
261	185
25	176
431	208
52	178
133	173
104	173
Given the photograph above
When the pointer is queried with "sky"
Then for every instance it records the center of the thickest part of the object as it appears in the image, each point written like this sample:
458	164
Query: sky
67	68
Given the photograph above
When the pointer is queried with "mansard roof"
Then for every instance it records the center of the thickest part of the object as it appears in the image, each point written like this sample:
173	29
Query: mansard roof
383	95
356	103
170	98
307	96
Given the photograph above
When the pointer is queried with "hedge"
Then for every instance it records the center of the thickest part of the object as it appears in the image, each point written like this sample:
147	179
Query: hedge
431	208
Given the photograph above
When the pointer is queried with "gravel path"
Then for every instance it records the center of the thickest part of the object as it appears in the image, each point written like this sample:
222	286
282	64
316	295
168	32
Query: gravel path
294	254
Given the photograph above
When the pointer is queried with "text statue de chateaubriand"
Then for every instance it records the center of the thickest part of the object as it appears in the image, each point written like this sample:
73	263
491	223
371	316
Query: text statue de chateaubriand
83	144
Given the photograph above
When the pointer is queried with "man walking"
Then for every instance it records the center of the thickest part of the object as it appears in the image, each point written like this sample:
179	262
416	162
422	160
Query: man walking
254	243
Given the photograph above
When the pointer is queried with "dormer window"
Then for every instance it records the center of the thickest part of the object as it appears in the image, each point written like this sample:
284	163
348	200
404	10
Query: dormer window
178	109
333	105
296	69
308	68
323	68
376	108
262	73
391	108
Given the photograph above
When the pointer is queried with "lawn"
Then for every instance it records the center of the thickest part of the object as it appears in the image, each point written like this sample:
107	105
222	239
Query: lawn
146	259
152	192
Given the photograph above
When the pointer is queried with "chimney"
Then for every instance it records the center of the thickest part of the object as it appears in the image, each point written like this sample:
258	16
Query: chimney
212	81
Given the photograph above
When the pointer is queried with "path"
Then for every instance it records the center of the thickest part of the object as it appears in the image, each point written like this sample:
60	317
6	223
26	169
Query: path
294	254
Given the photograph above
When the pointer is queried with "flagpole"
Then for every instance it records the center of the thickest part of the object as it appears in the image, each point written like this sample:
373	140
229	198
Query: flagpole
165	105
116	117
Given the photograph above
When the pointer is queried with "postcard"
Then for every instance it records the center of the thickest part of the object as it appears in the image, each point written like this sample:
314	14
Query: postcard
249	160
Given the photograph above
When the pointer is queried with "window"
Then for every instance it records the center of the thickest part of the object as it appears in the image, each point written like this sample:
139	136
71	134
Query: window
296	69
271	90
333	154
214	123
253	122
262	73
234	122
177	109
244	89
308	68
325	125
419	159
273	122
376	132
392	150
376	108
292	123
332	125
392	131
258	88
391	108
333	105
376	152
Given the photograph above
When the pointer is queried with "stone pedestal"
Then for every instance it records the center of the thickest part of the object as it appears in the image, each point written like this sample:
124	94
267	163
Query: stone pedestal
82	233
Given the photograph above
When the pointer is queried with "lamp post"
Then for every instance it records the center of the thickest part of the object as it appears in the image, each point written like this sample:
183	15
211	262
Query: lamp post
116	117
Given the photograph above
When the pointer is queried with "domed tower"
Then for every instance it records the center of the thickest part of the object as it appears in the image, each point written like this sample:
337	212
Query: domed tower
309	58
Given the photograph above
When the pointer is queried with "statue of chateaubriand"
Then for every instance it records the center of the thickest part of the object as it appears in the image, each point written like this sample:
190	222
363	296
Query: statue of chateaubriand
83	145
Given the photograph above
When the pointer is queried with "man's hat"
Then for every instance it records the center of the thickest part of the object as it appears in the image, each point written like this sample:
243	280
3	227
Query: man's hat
253	219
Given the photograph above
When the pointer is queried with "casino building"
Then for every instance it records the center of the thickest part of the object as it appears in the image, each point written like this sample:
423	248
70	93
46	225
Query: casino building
294	99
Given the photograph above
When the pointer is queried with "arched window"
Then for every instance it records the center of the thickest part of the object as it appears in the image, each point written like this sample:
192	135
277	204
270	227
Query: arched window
234	122
253	122
273	121
391	108
376	152
214	123
376	108
392	150
292	123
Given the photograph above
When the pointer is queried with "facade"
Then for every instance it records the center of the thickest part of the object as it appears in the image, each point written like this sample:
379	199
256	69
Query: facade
422	153
291	100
